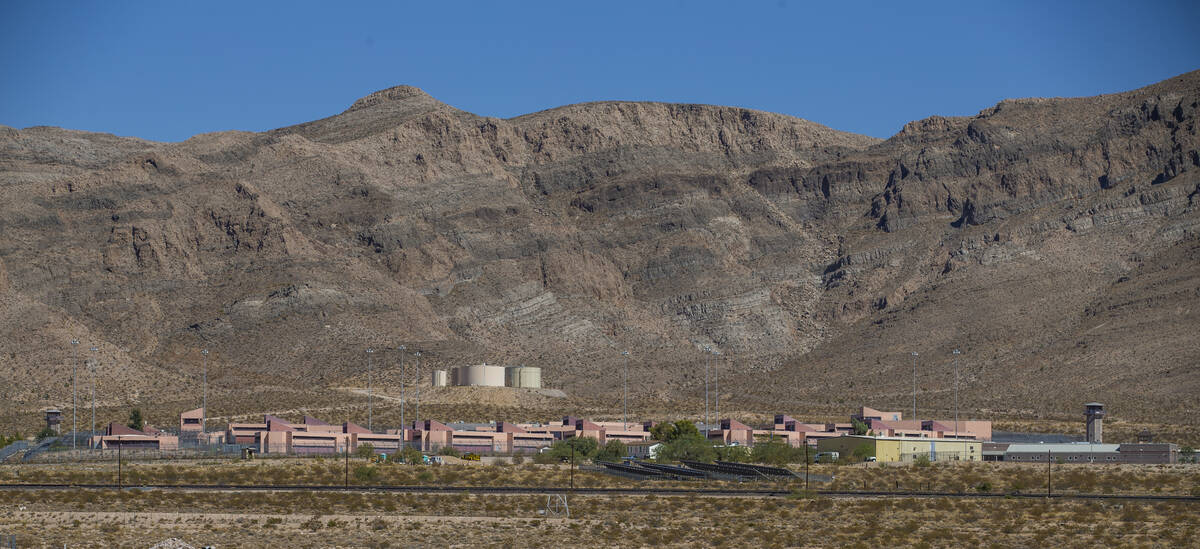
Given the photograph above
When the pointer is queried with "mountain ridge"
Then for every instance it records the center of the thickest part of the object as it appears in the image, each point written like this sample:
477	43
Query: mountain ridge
814	258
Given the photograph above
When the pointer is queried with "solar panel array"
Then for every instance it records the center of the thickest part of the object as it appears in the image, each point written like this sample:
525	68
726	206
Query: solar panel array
672	469
719	470
693	470
640	472
759	469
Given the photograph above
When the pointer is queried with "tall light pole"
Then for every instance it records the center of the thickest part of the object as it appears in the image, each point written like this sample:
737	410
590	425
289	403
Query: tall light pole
956	353
707	357
92	368
74	367
914	355
625	415
370	352
717	386
204	396
418	369
402	427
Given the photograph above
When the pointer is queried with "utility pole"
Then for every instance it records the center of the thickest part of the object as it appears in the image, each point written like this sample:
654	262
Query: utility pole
93	376
119	448
805	465
402	425
717	386
956	353
625	414
370	352
418	369
347	462
204	398
707	357
74	404
914	355
1047	474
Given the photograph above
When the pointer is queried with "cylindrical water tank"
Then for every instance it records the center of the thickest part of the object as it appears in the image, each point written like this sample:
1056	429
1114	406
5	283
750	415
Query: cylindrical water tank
440	378
481	375
526	377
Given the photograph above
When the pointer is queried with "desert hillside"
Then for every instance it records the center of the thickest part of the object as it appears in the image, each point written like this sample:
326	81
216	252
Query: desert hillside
1055	242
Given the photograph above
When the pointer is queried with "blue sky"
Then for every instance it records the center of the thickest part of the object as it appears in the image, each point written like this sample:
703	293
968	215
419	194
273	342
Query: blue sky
169	70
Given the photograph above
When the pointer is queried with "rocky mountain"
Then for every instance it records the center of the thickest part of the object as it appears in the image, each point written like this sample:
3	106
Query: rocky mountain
1053	241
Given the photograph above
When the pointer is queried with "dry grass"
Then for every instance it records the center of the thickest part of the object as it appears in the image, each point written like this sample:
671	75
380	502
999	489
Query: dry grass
387	520
958	477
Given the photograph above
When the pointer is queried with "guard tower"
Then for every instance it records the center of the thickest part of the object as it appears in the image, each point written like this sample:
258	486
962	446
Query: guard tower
54	420
1095	422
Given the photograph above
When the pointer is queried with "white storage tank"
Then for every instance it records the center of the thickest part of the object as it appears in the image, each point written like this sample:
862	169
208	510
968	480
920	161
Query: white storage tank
440	378
525	377
479	375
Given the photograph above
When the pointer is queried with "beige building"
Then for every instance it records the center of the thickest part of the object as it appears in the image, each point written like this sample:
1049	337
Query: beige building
903	449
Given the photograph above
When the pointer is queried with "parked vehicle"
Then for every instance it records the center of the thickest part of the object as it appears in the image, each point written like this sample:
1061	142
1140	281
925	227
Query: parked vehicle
827	457
470	457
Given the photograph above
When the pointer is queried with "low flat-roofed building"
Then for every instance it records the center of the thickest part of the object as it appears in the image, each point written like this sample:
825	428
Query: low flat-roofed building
303	442
1149	452
994	451
118	435
243	433
904	449
732	432
1070	452
644	449
866	414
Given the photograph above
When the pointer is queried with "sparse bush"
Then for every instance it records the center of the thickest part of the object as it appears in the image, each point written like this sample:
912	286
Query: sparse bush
689	448
135	419
614	450
366	473
364	450
45	433
313	523
409	455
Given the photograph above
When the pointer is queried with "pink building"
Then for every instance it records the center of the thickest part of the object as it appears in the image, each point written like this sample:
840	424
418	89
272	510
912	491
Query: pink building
191	421
117	435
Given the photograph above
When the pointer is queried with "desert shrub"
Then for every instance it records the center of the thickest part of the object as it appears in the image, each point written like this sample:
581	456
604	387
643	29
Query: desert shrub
366	473
518	459
732	453
667	431
614	450
690	448
922	461
579	447
409	455
776	453
364	450
449	451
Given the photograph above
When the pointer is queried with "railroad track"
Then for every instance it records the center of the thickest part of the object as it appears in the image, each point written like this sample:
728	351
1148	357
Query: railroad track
526	490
